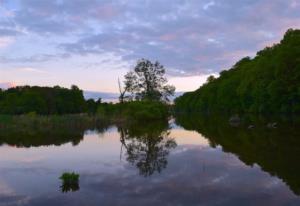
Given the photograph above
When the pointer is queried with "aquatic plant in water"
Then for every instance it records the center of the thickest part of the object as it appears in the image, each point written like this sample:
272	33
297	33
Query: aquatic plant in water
70	182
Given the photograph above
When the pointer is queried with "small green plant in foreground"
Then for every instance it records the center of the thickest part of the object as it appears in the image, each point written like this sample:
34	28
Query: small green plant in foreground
70	182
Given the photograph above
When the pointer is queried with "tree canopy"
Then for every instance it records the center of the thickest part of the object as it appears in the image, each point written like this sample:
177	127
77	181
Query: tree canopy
146	82
42	100
268	83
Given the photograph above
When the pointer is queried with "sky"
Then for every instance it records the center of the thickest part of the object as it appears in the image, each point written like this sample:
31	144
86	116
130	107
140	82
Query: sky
92	43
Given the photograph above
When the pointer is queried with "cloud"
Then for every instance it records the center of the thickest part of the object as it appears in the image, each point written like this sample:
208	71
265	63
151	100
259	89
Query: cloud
8	32
196	37
209	4
39	58
32	70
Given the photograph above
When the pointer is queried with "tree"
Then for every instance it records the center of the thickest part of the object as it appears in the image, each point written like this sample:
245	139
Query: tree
147	82
211	78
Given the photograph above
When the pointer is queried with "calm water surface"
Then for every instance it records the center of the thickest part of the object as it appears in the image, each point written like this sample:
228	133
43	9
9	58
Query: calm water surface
197	163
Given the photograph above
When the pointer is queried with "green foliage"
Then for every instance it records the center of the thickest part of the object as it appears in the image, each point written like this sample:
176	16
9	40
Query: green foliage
42	100
268	83
146	82
69	177
70	182
92	105
136	111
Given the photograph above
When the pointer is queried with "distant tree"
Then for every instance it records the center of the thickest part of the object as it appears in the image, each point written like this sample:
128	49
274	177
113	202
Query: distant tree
42	100
211	78
147	82
92	105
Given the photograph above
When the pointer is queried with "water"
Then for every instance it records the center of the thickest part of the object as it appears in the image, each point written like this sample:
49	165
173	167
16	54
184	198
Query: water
187	162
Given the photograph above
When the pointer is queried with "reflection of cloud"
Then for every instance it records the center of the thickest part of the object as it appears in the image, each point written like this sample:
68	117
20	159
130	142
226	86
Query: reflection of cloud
31	159
185	137
9	197
13	200
194	176
5	189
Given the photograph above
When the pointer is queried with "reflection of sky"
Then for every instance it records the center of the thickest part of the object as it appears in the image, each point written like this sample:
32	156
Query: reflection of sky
196	174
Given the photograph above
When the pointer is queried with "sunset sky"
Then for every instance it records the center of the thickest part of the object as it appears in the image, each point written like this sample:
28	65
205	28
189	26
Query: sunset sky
91	43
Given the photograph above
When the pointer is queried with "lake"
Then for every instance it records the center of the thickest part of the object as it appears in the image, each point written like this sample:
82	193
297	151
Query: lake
186	161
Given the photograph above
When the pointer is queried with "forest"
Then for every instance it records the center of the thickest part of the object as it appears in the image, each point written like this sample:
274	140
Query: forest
42	100
267	83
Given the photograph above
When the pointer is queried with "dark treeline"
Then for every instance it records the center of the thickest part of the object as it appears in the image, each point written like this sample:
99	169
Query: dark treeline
268	83
42	100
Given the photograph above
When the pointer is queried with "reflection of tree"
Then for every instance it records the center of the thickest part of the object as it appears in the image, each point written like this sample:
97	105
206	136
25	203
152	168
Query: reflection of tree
47	135
67	187
147	146
276	151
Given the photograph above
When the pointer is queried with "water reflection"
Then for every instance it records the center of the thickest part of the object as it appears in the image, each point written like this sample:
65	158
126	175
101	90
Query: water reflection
46	136
275	150
69	187
147	146
183	166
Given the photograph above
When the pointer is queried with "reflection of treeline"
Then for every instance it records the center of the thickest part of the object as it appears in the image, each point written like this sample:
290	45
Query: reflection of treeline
42	100
274	150
32	130
268	83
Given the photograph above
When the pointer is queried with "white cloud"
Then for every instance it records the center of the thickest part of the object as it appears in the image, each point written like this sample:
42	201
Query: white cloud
189	83
209	4
33	70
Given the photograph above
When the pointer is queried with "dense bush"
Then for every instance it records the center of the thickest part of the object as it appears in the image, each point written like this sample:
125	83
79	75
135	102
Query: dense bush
268	83
136	110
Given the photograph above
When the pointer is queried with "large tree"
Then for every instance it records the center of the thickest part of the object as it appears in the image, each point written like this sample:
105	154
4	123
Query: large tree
147	82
